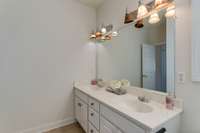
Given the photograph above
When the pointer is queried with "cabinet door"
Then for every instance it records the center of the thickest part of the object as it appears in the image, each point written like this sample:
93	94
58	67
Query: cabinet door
84	116
107	127
81	110
78	110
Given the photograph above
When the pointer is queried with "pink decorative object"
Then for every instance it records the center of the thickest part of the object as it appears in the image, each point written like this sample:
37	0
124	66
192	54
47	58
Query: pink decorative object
94	82
169	103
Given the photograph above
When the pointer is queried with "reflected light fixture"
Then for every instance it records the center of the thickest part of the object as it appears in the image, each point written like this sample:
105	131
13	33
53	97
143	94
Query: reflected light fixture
92	35
139	24
114	33
104	34
142	10
170	11
154	18
103	29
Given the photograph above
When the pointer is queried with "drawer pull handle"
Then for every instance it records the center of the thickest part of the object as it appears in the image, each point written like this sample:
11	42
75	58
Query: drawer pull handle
163	130
92	114
92	104
91	131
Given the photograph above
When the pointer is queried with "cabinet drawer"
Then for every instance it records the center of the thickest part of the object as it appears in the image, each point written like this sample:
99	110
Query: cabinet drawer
122	123
92	129
81	95
94	118
94	104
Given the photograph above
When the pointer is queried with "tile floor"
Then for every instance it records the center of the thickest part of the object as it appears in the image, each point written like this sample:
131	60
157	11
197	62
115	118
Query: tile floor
73	128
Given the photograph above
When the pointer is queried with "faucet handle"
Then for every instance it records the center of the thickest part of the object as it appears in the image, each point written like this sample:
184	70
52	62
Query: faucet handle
143	99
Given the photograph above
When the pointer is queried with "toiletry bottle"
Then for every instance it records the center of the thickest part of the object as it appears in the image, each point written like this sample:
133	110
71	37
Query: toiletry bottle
170	102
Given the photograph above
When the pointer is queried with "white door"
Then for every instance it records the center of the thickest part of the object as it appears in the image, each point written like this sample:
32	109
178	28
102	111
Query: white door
149	66
107	127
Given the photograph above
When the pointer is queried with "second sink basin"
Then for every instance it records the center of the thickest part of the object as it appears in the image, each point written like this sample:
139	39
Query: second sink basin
138	106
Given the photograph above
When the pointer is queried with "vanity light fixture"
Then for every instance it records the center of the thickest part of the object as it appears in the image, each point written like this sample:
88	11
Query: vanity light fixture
154	18
151	10
128	19
170	11
142	10
159	3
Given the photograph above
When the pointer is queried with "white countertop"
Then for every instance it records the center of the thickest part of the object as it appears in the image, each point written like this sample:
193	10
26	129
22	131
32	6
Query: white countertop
150	121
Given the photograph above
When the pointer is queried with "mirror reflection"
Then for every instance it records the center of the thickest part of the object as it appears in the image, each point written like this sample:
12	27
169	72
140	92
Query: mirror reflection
143	56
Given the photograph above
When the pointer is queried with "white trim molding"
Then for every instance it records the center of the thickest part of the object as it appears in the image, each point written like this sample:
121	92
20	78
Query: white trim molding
195	41
50	126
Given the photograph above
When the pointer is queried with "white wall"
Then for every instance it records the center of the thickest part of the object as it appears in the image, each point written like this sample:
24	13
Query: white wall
43	49
189	92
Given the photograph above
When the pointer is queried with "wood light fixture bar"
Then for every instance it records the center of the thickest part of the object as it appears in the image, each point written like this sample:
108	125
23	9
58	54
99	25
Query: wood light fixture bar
151	8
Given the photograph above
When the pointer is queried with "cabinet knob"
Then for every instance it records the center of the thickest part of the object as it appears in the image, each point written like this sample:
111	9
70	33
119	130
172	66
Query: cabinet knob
92	114
79	104
91	131
92	104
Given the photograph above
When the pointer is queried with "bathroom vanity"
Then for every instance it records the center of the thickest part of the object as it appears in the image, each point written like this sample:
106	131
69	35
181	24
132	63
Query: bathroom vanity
98	111
145	57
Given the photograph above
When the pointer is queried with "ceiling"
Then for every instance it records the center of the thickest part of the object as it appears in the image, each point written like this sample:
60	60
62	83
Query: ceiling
92	3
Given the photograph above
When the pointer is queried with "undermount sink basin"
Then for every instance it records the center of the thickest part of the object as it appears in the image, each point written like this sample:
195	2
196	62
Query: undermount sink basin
139	107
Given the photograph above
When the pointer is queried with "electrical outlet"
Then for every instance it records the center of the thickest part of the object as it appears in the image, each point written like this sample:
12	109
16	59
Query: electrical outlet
181	77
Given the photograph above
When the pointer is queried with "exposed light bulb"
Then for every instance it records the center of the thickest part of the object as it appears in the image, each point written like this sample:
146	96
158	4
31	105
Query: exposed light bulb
103	30
170	11
142	10
154	18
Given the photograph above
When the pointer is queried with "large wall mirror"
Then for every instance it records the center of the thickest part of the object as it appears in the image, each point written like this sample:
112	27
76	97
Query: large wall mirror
143	56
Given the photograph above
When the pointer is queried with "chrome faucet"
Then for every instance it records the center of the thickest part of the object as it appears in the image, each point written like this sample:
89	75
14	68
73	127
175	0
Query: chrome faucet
143	99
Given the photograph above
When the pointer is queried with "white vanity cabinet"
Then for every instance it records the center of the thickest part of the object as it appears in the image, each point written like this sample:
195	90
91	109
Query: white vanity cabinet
97	117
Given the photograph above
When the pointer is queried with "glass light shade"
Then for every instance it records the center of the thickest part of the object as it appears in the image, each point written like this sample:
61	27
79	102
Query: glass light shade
92	36
170	11
154	18
139	24
114	33
128	19
142	11
159	2
103	38
103	30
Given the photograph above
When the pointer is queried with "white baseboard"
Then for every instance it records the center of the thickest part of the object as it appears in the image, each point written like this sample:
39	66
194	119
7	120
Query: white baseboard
50	126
